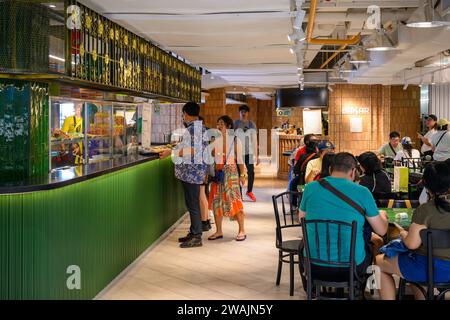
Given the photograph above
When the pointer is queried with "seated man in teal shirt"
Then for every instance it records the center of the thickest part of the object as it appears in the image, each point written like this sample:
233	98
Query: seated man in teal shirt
319	203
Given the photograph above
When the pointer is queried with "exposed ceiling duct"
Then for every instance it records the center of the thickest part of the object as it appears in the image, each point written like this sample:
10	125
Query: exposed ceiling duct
426	16
244	43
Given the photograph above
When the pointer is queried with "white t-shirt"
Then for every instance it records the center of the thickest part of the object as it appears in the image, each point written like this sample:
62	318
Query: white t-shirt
429	135
402	154
442	151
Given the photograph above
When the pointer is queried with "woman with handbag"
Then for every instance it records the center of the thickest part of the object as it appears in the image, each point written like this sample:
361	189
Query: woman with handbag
225	196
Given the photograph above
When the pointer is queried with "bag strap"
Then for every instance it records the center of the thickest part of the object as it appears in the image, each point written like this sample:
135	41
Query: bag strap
440	139
229	151
393	150
324	183
306	161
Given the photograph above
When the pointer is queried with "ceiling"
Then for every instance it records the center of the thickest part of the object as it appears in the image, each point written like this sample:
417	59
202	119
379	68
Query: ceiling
244	43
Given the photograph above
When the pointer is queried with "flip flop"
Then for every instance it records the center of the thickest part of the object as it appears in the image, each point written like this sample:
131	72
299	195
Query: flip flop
242	238
215	238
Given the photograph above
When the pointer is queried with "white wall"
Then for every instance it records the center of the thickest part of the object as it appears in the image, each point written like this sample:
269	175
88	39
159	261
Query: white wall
440	100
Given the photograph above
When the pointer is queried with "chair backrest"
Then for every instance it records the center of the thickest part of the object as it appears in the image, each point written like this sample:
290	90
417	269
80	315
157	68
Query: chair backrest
433	239
384	195
345	249
285	213
397	204
412	163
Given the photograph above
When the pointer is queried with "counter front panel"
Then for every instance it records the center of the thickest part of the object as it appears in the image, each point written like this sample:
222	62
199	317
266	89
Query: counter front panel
100	226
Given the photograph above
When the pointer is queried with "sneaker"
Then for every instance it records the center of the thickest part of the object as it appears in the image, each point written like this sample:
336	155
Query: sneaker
192	243
206	226
251	196
187	238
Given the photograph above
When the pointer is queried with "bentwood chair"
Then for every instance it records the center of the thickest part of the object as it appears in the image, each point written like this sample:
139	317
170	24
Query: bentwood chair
345	246
286	217
397	204
431	239
412	163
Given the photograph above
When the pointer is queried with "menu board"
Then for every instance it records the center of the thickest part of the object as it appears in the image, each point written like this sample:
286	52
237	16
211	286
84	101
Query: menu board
312	121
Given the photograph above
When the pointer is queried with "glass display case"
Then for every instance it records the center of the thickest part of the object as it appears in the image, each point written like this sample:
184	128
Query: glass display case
83	132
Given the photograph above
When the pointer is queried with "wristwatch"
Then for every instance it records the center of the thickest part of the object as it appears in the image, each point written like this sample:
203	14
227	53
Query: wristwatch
243	175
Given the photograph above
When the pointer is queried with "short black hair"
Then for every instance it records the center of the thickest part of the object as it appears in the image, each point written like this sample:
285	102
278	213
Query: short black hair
307	138
394	134
227	120
369	162
244	107
192	109
343	162
436	178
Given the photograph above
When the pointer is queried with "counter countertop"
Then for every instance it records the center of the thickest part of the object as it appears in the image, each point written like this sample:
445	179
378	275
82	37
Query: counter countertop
65	177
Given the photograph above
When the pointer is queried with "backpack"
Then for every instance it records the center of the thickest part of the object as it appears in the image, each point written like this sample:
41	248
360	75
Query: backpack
300	166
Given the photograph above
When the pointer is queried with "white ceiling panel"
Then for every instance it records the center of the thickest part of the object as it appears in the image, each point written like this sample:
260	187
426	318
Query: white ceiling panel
243	42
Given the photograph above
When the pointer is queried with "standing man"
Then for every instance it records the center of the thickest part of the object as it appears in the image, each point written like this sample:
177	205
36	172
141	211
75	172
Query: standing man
191	170
247	132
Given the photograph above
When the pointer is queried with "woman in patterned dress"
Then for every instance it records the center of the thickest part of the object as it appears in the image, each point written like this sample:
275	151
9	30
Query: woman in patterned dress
225	197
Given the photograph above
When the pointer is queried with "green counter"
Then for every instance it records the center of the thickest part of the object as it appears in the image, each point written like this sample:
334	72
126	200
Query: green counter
100	225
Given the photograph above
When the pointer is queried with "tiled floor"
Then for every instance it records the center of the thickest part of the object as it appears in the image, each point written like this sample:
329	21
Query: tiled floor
222	269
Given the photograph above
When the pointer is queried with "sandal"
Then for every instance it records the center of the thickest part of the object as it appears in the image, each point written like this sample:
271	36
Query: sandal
241	238
215	237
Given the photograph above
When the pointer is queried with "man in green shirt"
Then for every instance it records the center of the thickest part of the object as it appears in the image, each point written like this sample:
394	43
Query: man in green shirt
390	149
319	203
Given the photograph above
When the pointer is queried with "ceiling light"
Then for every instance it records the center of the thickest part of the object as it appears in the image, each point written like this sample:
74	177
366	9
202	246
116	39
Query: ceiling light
330	88
405	86
298	35
299	19
425	17
380	41
432	79
302	86
52	6
299	68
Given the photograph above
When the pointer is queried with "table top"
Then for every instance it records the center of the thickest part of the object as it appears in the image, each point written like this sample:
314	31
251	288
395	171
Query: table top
392	216
411	171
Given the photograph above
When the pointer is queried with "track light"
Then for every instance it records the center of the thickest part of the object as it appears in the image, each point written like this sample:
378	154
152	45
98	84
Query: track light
405	86
330	88
359	56
302	86
297	35
300	16
433	82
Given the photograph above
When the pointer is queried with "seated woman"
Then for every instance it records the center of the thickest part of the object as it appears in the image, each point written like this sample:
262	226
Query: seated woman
407	153
374	177
327	162
435	214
